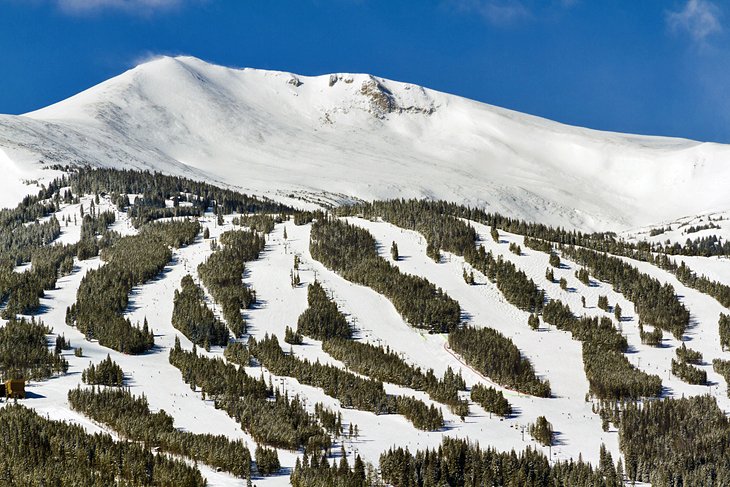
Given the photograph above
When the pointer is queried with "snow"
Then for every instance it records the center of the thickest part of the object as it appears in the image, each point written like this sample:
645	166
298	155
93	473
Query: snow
367	137
311	140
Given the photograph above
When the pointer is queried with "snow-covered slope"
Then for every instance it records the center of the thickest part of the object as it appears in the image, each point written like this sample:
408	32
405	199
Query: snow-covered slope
357	136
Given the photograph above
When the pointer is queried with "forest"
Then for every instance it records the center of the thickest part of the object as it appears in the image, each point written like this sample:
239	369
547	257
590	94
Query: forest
459	462
387	366
131	418
610	374
323	320
22	290
352	252
436	221
194	318
656	303
159	187
37	451
24	351
271	417
222	274
665	441
497	357
351	390
649	435
104	292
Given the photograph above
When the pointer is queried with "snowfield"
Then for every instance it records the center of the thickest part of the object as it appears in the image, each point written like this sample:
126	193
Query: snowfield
339	137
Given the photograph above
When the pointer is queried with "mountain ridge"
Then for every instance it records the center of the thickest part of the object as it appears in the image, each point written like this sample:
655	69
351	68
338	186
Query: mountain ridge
347	136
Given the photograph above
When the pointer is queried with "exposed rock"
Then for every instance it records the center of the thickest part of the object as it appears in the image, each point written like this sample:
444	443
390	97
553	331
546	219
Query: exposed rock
383	101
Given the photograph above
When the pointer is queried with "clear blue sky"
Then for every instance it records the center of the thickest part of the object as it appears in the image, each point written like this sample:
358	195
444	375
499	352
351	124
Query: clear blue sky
643	66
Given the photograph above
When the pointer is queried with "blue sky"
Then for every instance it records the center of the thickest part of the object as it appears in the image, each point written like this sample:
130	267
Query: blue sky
643	66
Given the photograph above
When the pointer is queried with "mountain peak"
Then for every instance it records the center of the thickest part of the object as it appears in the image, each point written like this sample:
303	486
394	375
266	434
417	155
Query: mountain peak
341	136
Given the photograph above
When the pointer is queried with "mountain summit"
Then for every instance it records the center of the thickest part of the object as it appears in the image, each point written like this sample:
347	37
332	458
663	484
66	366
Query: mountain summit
355	136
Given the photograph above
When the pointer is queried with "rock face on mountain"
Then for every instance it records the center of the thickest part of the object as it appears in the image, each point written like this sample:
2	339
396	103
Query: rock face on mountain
345	136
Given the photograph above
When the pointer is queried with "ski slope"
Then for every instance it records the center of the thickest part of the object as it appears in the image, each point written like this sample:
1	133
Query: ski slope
554	354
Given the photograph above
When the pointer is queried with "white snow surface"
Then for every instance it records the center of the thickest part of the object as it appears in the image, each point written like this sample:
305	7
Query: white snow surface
343	136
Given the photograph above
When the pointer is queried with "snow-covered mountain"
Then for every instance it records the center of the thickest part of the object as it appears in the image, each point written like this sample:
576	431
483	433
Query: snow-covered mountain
346	136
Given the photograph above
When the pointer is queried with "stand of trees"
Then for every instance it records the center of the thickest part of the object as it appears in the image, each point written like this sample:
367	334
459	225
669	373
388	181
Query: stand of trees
385	365
436	221
513	283
24	351
539	245
21	231
609	372
22	291
684	366
650	434
107	373
156	187
722	367
491	400
542	431
258	223
267	461
655	303
322	319
724	327
222	274
37	451
104	293
689	373
459	462
497	357
351	390
131	418
192	316
270	417
351	251
316	471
